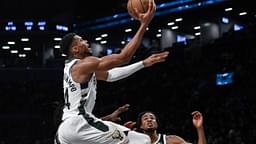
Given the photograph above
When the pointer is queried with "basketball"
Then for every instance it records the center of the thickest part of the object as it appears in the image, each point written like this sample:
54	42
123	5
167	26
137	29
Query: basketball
140	5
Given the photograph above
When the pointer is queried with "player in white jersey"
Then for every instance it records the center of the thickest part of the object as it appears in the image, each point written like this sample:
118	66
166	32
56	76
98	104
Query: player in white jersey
80	100
81	72
147	123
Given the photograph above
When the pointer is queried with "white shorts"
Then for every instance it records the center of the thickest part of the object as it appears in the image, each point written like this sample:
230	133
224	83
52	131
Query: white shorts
77	130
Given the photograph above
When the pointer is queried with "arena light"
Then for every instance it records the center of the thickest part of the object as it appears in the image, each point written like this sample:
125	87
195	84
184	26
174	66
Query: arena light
24	39
11	42
175	27
128	30
14	51
109	51
57	46
28	25
29	28
122	42
238	27
10	26
158	35
197	34
115	16
224	78
122	15
98	38
181	38
228	9
57	39
10	23
197	27
41	28
225	20
179	19
170	23
41	25
104	35
103	42
61	28
178	6
6	47
22	55
243	13
27	49
129	38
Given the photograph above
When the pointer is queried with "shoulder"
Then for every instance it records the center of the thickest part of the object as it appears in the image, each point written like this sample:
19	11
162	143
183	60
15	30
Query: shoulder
82	70
90	59
174	139
86	65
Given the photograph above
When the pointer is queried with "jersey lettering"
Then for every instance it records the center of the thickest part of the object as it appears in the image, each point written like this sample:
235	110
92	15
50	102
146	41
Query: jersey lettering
70	83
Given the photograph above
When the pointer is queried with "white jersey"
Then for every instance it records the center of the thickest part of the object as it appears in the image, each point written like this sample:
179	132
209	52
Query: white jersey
79	98
80	126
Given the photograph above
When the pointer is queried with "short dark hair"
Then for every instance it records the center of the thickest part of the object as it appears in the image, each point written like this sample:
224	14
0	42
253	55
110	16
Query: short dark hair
138	122
66	42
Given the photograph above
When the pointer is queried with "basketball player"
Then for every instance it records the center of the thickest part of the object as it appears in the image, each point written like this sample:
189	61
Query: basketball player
81	73
147	123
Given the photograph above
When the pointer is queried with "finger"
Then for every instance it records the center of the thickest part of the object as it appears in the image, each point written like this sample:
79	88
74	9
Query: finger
162	60
129	122
126	105
159	57
150	6
166	53
162	56
136	13
194	112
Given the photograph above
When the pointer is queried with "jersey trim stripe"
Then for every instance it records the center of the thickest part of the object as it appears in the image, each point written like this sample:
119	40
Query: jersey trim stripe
98	124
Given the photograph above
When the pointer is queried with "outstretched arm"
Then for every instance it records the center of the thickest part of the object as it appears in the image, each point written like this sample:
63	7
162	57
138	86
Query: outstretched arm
124	57
115	116
83	69
198	123
125	71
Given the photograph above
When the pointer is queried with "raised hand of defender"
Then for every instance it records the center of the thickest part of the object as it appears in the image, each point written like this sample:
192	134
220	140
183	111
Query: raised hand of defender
130	125
197	119
115	116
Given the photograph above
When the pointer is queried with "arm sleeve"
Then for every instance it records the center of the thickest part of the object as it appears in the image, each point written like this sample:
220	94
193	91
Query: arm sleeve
123	72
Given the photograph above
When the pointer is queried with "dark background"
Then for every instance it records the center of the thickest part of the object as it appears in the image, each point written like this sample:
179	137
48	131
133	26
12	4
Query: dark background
31	91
